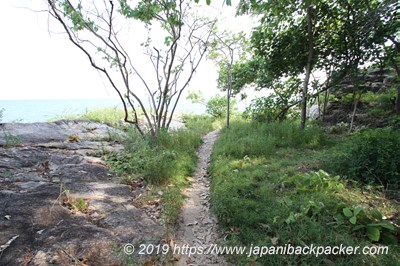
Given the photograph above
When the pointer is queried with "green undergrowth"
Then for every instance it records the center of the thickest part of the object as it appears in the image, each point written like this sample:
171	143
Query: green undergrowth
372	156
163	162
268	189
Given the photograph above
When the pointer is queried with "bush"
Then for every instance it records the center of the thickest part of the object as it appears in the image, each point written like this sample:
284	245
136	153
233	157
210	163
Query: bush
276	106
264	109
1	114
372	156
159	159
218	105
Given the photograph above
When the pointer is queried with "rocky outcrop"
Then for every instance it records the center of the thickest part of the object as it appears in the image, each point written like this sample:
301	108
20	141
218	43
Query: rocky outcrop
373	80
59	202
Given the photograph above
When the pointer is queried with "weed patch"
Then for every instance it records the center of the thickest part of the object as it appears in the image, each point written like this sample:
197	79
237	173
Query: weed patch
108	115
370	157
163	161
11	140
278	196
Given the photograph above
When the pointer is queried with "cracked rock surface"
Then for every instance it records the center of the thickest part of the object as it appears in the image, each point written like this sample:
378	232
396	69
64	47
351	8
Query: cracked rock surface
59	198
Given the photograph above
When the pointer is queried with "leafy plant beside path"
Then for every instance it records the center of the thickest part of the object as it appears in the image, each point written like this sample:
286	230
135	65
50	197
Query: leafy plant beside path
268	190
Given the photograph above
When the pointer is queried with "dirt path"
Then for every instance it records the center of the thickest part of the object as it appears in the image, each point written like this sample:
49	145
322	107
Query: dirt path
197	229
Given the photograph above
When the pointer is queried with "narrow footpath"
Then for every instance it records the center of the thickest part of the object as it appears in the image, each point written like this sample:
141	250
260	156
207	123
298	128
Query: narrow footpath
197	230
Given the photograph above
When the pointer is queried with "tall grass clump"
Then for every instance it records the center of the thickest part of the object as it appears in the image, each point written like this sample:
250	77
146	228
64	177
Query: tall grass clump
370	157
107	115
261	139
158	159
168	156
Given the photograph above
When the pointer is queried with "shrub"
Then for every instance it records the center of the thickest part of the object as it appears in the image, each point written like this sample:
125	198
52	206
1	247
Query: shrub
264	109
160	158
1	114
384	103
218	105
276	106
371	157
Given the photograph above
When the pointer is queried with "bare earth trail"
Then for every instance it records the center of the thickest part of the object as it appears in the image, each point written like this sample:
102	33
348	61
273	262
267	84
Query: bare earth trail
198	225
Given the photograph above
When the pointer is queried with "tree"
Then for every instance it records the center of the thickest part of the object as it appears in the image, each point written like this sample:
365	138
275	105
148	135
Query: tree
296	37
309	65
101	31
226	49
283	43
228	2
276	106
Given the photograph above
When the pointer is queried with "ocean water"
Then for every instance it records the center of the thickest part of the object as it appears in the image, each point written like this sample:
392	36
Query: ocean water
27	111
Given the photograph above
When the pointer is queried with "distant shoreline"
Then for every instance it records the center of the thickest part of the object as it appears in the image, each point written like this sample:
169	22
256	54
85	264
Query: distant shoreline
31	111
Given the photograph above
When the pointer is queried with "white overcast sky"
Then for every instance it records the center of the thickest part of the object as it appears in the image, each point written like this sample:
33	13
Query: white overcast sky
38	65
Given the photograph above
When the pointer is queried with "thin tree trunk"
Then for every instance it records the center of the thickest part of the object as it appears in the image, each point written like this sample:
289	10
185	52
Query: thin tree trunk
396	67
357	100
227	108
308	67
397	104
325	105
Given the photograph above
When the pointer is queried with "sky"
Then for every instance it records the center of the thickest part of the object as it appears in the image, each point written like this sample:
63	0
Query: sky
36	64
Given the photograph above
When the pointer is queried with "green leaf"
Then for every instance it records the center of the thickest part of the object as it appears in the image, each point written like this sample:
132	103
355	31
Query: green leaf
357	211
347	212
373	233
384	224
358	227
376	214
353	220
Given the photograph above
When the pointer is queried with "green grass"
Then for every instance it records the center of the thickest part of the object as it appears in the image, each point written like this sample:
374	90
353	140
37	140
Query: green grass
265	189
371	156
164	162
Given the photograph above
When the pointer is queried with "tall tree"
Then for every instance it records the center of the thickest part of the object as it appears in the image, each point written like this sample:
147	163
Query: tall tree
102	30
295	38
226	49
283	43
309	65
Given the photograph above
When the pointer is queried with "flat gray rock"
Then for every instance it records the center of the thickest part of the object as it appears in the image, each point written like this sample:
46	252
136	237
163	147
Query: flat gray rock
58	131
60	197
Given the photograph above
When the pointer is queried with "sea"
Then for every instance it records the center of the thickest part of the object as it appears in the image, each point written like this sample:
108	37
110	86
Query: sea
29	111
